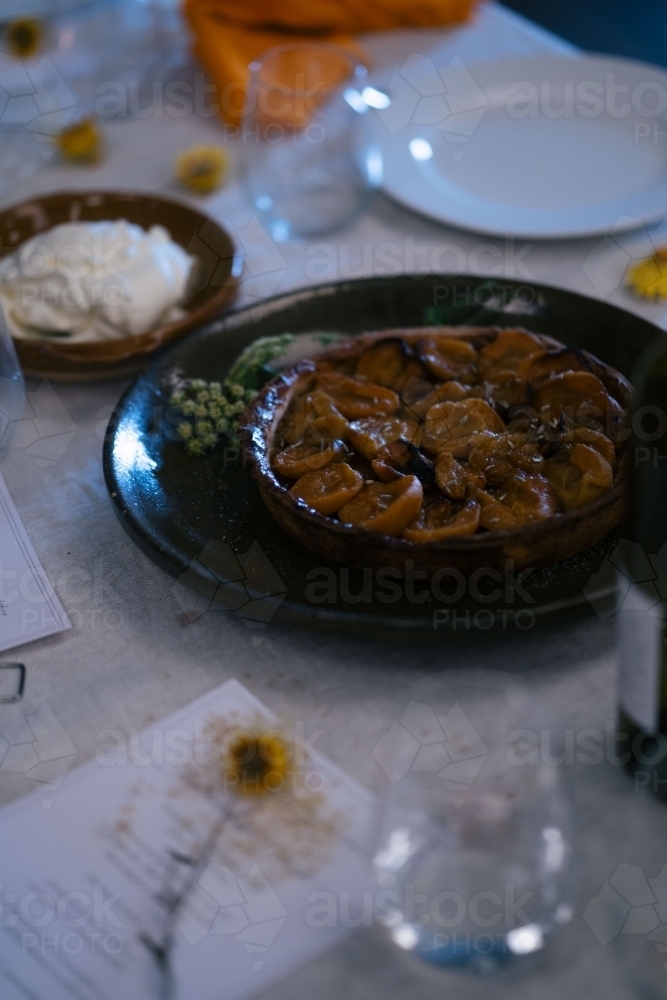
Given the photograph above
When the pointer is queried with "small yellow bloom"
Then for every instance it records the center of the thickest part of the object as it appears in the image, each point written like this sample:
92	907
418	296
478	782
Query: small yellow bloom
255	763
649	277
81	141
24	38
202	168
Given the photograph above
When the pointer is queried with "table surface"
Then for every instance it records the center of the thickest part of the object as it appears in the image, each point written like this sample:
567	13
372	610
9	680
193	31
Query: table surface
132	657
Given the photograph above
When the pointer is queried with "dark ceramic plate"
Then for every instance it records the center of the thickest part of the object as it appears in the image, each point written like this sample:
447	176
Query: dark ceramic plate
202	519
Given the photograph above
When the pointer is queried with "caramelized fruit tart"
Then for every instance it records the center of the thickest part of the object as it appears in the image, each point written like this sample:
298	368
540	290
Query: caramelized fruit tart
447	446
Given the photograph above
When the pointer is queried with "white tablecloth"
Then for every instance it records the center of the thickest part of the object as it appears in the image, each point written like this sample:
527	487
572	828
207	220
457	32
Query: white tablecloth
132	657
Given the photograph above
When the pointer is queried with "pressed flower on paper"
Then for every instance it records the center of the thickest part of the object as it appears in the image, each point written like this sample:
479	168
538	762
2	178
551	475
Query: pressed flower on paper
250	797
260	781
649	277
202	169
24	37
256	763
80	142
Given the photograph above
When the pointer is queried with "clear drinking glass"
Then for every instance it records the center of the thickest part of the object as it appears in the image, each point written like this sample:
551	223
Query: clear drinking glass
305	165
472	863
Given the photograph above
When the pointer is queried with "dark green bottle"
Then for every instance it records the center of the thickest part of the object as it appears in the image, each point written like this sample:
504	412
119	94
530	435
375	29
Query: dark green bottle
642	615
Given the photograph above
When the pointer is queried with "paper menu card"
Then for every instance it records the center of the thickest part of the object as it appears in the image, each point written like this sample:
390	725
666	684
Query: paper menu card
84	883
29	607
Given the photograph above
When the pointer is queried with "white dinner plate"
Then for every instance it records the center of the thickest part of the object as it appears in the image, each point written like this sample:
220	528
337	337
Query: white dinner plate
541	147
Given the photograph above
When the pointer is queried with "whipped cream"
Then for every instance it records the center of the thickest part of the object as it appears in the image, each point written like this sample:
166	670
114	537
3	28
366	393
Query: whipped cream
94	281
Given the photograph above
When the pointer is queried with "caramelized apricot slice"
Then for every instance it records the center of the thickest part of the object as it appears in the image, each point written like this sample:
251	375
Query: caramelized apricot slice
584	435
299	459
419	396
355	397
327	490
370	434
537	367
434	523
403	458
529	496
454	478
599	441
596	469
312	415
385	507
508	390
449	358
390	363
497	455
507	352
585	477
578	397
565	481
495	516
452	426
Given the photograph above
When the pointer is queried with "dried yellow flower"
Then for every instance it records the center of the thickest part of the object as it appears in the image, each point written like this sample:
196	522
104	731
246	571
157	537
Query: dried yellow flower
256	763
24	37
649	277
81	142
202	169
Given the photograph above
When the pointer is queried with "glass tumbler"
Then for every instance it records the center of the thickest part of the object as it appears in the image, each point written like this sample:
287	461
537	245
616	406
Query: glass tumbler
473	847
305	165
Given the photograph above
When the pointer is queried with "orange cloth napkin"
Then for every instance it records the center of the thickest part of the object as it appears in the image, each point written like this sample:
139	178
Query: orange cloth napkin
229	34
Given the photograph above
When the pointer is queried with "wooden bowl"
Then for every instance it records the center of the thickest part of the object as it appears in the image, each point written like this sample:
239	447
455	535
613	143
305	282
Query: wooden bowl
535	545
213	285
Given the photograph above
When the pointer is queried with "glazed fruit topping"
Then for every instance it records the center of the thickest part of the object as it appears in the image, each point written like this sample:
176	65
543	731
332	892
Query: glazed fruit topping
436	523
437	436
355	397
452	427
327	490
298	459
385	507
391	363
403	458
449	358
370	434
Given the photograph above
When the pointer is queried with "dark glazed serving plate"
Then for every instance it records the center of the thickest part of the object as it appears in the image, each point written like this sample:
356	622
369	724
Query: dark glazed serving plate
202	519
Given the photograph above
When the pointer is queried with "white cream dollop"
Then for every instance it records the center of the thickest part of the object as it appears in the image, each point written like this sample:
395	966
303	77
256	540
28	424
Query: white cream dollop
94	281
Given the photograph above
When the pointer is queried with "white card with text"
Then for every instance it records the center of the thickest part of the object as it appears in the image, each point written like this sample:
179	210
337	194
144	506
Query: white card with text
29	607
145	875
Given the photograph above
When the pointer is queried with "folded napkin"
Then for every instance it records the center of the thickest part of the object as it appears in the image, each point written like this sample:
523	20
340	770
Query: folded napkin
229	34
